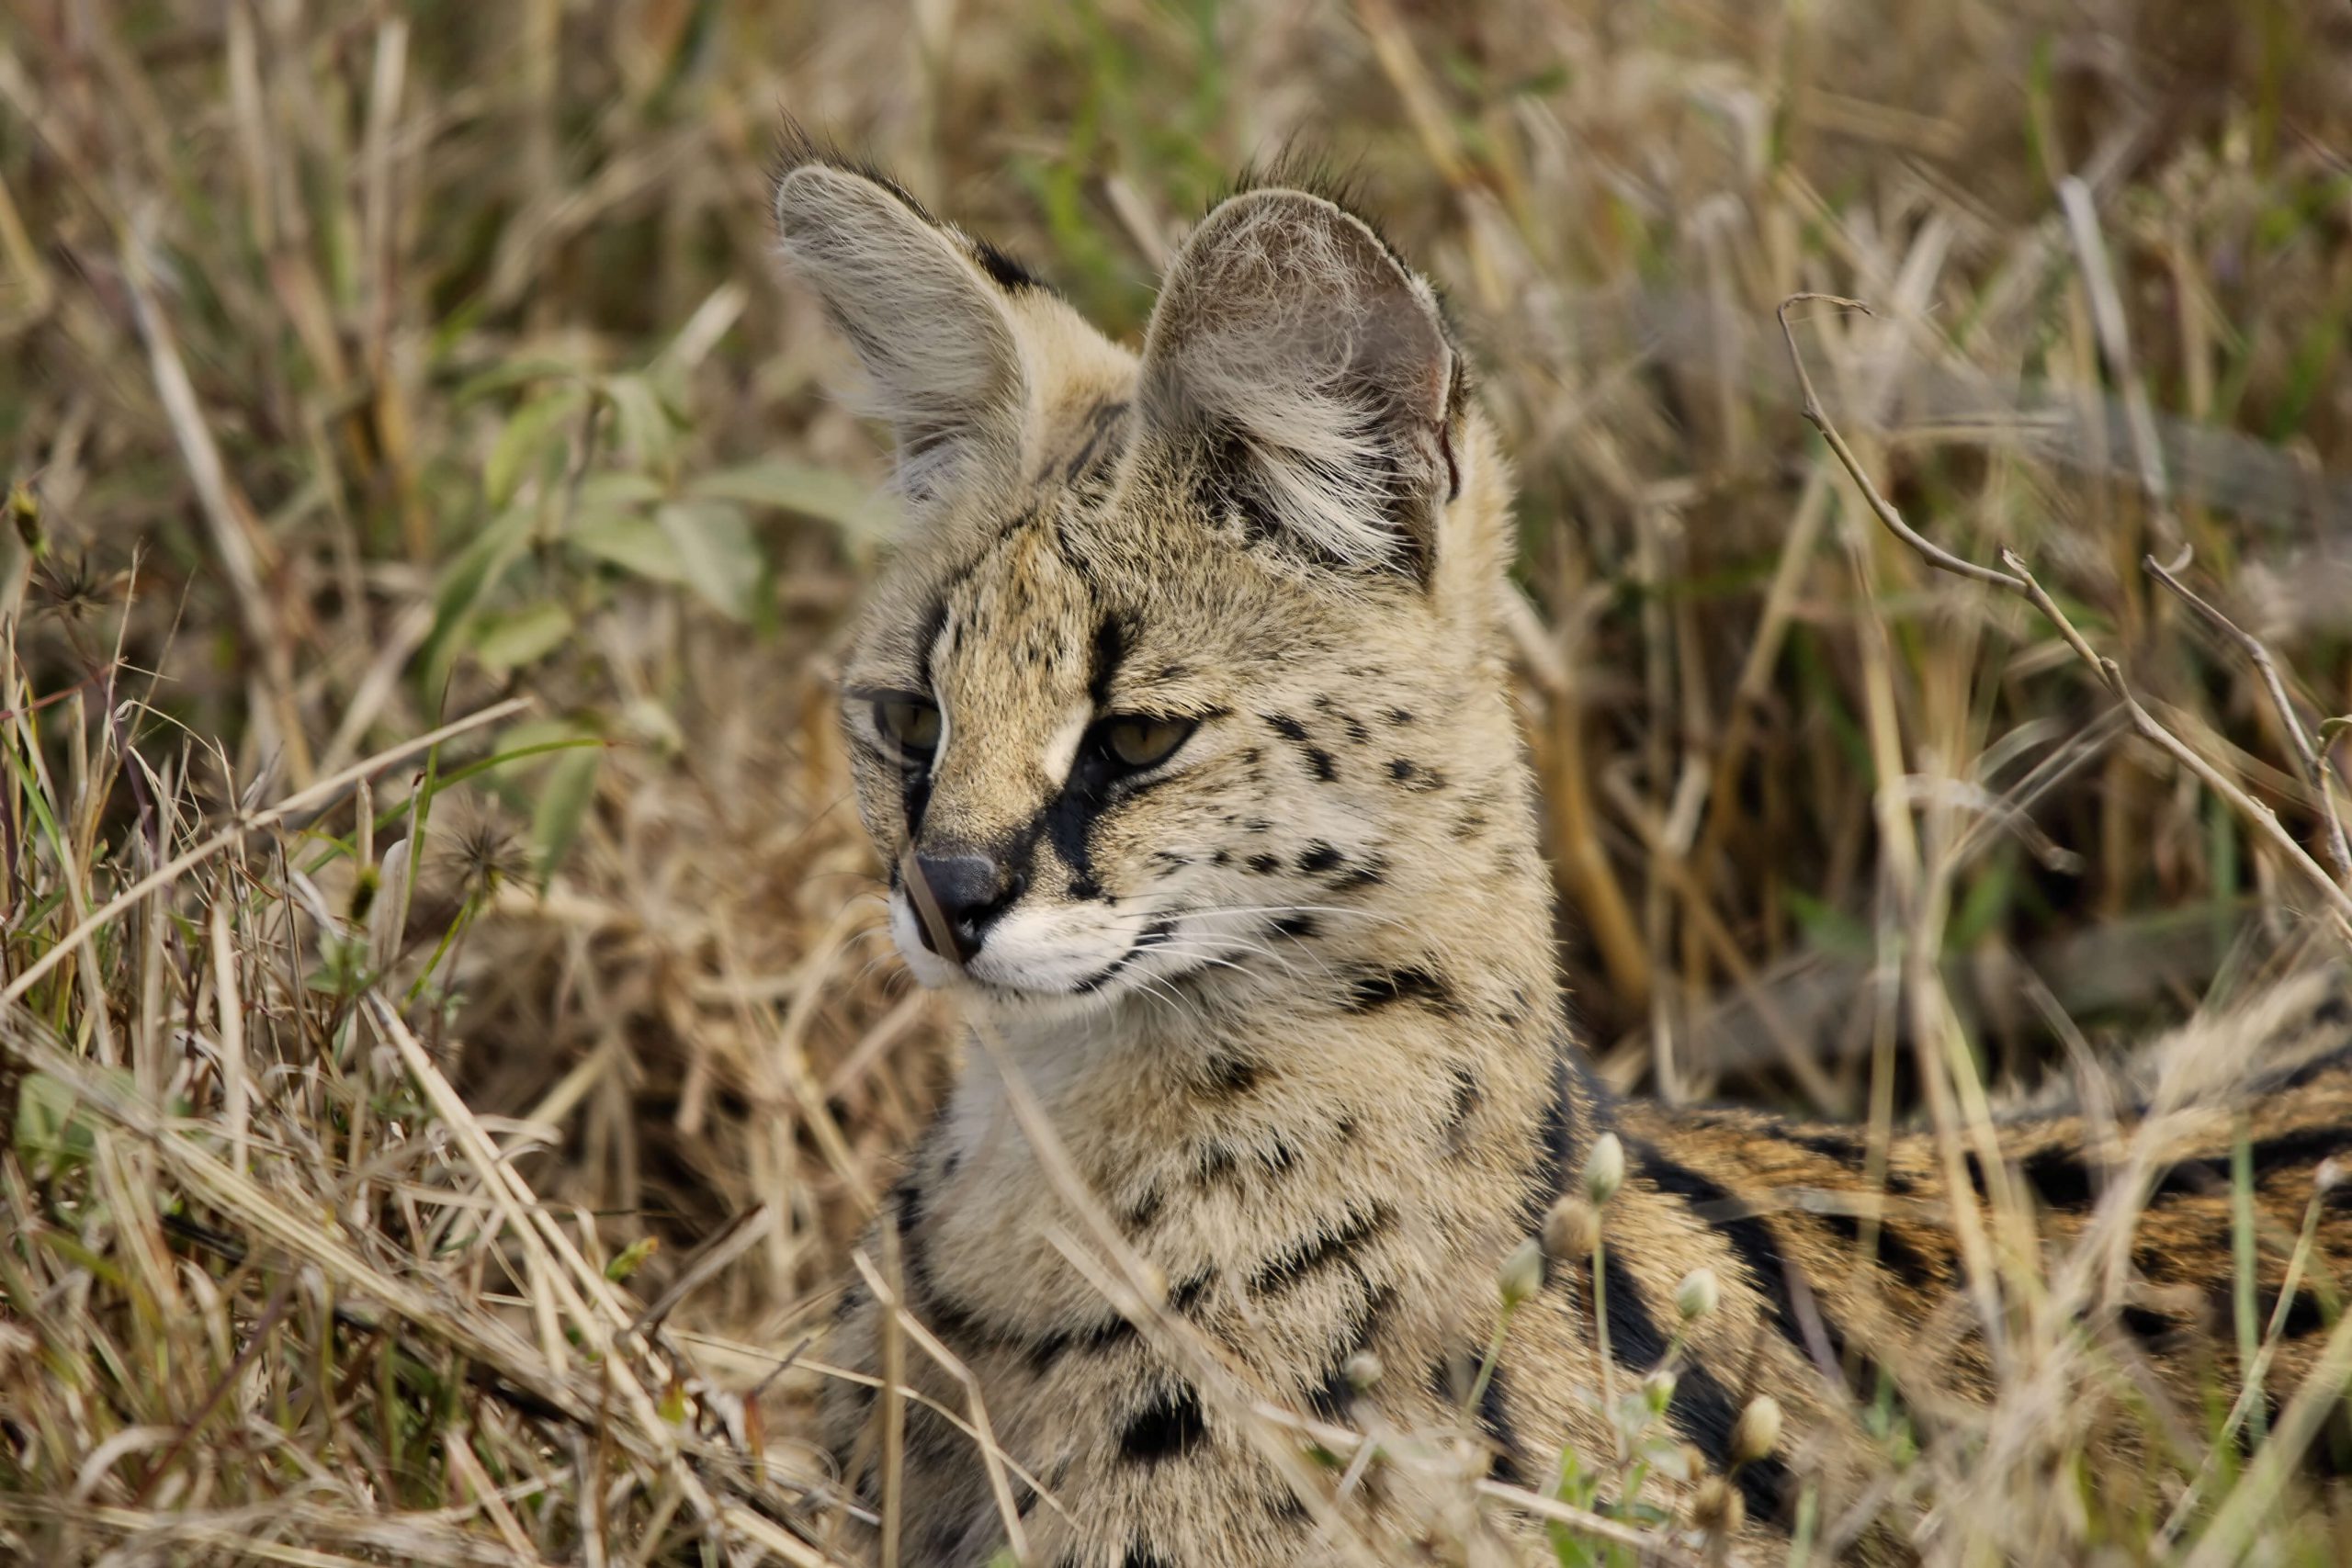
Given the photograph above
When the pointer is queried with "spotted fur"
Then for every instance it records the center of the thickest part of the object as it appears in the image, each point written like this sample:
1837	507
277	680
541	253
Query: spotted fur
1288	995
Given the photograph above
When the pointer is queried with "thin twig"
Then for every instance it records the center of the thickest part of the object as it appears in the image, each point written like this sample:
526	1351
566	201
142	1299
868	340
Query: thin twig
2019	581
318	795
2316	770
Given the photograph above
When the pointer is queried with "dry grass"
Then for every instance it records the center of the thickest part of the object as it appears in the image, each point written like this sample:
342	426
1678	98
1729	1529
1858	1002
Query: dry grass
363	368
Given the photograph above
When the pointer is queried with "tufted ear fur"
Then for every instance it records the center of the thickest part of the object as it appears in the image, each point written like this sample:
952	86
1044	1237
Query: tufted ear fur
1309	375
928	311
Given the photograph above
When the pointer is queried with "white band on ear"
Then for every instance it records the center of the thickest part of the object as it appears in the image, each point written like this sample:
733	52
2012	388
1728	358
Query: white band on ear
1291	348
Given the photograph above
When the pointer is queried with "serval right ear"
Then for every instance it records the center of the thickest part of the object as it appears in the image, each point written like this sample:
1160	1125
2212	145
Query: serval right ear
927	310
1312	373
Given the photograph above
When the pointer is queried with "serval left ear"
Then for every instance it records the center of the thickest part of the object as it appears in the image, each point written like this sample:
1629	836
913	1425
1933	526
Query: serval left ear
1306	374
927	310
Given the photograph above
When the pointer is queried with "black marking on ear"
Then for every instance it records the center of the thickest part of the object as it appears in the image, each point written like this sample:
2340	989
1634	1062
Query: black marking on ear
1167	1427
1008	273
1387	987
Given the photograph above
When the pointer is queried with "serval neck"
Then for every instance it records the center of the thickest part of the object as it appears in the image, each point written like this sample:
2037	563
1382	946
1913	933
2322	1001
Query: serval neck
1408	1049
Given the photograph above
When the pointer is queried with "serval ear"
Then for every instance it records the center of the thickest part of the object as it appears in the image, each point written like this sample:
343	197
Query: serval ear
926	307
1306	379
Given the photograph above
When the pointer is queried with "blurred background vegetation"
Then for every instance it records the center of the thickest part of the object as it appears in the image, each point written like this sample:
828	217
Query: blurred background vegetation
363	366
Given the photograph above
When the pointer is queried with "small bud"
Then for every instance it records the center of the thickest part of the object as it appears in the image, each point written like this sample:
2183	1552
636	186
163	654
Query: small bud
1758	1431
1718	1507
1697	1295
1657	1391
1571	1231
1604	1169
1523	1273
1361	1369
2332	1174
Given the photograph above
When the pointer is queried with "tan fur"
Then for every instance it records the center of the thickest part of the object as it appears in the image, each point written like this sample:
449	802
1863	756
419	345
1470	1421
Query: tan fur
1291	1005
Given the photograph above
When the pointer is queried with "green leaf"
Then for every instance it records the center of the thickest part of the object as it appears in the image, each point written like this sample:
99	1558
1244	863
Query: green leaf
526	438
716	551
468	579
509	642
52	1132
563	808
827	495
647	429
634	543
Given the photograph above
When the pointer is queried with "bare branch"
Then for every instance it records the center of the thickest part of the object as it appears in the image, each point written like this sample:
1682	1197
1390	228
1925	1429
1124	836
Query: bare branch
2020	581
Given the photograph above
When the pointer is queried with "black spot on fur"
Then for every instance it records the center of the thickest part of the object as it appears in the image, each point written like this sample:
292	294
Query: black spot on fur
2154	1328
1702	1411
1141	1556
1392	985
1494	1420
1330	1394
1319	763
2058	1178
1170	1426
1462	1105
1294	926
1325	1249
1318	857
1285	726
1893	1253
1758	1248
1145	1210
1230	1075
1113	637
1264	866
1397	716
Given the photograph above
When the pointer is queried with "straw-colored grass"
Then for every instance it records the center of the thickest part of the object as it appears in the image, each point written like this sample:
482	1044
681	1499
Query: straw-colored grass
448	1048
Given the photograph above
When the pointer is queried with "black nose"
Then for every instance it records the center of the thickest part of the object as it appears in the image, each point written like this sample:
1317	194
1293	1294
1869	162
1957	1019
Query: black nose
969	890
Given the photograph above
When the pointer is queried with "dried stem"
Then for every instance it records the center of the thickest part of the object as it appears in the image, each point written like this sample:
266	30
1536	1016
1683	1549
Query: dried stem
2020	581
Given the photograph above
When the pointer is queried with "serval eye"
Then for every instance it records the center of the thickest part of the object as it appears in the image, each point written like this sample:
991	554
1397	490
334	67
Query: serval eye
1136	742
912	726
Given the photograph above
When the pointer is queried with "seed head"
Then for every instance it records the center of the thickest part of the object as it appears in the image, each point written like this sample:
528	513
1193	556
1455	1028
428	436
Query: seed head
1361	1369
1571	1231
1758	1431
1697	1295
2332	1174
1604	1169
1718	1507
1523	1273
1657	1390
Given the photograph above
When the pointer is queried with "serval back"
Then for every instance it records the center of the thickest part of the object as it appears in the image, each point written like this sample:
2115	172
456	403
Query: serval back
1181	718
